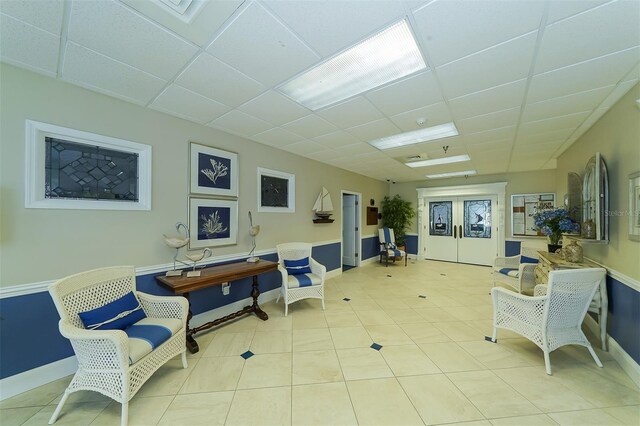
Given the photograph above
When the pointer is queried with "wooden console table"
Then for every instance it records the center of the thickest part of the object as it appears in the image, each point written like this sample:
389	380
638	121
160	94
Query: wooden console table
217	275
600	303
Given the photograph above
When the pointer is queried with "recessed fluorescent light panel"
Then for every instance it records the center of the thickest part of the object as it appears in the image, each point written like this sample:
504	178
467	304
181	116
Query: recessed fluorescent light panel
452	174
417	136
436	161
380	59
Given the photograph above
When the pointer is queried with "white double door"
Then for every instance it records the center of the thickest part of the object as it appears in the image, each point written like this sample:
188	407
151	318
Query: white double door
461	229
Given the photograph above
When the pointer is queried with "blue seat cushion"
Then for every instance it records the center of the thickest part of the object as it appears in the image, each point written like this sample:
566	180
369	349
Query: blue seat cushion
297	267
116	315
510	272
303	280
526	259
148	334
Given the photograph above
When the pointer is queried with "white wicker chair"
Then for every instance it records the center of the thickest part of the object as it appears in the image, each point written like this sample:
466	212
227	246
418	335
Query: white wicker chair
388	248
525	278
552	320
103	355
290	290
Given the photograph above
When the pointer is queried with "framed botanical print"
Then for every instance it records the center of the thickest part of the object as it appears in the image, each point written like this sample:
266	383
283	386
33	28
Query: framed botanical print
212	222
213	171
276	191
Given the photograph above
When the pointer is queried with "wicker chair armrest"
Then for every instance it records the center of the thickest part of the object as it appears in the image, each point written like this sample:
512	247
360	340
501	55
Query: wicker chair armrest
506	262
97	348
284	273
540	290
527	273
164	306
317	268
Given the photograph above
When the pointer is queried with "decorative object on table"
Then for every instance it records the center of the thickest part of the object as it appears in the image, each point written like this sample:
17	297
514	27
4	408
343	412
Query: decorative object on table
276	191
323	207
195	258
212	222
254	230
177	242
589	229
553	223
573	252
397	214
213	171
634	206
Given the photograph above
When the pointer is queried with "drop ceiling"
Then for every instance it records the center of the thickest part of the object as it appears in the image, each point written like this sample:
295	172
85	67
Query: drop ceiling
522	80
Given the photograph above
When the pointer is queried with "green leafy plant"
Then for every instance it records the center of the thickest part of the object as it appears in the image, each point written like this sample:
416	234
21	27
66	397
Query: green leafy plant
397	214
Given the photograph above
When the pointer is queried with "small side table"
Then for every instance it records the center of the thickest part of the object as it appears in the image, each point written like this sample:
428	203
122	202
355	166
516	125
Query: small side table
600	303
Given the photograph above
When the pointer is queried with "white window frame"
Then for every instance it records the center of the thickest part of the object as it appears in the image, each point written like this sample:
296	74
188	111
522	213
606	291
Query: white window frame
35	134
291	179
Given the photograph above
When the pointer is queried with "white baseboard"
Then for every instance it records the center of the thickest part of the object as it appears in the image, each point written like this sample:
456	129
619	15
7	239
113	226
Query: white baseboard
369	260
628	364
30	379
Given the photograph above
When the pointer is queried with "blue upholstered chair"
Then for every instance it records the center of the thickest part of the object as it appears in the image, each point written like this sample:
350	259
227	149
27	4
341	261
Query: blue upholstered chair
517	271
302	276
388	247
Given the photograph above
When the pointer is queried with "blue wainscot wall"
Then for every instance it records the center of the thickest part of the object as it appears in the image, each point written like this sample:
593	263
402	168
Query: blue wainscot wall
370	247
624	310
29	323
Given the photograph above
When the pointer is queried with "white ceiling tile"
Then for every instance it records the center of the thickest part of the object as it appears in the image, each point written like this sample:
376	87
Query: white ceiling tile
112	29
454	29
355	149
617	93
277	137
543	136
240	123
605	29
493	156
586	125
546	148
493	120
351	113
634	74
501	64
556	123
27	46
310	126
374	130
527	164
408	94
331	26
205	74
325	156
90	69
274	108
430	148
434	114
337	139
492	168
508	132
560	9
186	104
497	98
304	148
480	148
200	29
583	101
599	72
262	48
44	14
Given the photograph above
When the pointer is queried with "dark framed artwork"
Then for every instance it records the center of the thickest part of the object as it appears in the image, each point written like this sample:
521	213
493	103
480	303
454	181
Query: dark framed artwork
213	171
212	222
276	191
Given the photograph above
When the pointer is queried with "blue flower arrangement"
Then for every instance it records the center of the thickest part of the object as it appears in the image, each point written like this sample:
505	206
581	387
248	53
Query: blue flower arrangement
553	223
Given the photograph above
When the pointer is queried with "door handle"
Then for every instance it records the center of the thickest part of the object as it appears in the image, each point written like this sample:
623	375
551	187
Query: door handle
455	232
460	231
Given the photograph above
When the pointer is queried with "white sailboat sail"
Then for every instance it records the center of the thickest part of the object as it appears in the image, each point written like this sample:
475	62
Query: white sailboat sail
323	202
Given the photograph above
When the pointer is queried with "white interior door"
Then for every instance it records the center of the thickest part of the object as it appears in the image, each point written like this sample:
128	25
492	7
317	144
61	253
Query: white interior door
349	229
461	229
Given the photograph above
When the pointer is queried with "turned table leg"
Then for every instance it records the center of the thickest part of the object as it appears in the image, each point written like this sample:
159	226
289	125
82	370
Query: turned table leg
255	292
192	345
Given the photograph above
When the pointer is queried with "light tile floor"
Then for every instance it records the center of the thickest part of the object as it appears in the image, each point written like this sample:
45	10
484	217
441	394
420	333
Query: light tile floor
317	368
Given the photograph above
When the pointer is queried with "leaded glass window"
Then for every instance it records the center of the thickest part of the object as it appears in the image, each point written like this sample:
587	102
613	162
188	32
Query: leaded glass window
477	218
88	172
440	218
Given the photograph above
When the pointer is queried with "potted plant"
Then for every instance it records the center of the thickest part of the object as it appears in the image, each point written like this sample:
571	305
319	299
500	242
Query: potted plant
553	223
397	214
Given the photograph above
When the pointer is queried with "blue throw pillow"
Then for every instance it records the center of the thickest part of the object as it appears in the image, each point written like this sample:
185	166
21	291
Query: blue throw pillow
297	267
117	315
526	259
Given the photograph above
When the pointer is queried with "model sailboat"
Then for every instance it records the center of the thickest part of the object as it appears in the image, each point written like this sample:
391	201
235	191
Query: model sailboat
323	207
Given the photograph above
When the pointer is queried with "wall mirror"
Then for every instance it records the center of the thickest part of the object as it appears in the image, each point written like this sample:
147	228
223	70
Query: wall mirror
523	207
595	200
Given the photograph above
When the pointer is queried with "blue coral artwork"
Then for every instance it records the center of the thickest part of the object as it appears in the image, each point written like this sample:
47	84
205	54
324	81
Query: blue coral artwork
213	171
212	222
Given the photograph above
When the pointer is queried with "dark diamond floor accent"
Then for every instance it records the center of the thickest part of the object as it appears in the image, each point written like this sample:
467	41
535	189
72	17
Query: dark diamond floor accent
247	355
444	275
376	346
422	296
346	299
389	276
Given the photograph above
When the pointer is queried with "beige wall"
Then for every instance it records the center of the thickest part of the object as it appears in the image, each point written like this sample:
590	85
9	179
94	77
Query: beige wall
517	183
42	244
617	137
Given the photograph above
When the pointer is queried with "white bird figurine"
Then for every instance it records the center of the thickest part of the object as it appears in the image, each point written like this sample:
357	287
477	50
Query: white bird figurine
197	257
175	242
